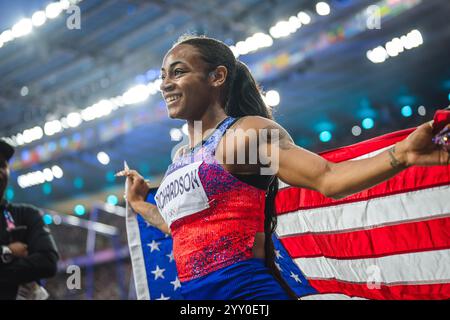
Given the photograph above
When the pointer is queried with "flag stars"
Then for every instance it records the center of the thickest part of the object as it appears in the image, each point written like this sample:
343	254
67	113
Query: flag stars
295	277
170	256
278	266
158	272
176	284
154	245
162	297
278	254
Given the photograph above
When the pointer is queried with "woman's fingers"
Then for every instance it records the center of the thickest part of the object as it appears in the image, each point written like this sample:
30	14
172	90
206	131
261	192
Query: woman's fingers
128	173
121	173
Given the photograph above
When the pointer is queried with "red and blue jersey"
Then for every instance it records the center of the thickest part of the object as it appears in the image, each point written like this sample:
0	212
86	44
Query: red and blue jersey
213	216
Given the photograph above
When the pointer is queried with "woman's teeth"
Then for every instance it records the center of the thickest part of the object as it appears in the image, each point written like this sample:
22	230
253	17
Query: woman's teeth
173	98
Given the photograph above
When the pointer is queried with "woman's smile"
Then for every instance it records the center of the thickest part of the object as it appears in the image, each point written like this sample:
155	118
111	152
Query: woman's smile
172	99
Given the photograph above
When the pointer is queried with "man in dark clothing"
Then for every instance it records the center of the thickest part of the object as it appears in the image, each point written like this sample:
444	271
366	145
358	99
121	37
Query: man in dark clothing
27	250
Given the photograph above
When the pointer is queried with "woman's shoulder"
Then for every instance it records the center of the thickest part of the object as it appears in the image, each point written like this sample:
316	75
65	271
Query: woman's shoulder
254	122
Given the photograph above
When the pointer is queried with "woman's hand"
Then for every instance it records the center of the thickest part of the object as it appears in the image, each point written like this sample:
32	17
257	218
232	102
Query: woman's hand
138	188
419	149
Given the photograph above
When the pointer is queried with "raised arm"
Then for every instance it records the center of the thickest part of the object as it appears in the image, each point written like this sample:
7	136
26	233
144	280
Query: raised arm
136	196
302	168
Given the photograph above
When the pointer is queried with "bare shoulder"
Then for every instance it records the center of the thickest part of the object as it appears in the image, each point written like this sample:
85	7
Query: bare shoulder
254	122
274	131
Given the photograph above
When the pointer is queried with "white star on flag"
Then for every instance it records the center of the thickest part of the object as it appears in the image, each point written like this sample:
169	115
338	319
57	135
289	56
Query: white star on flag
148	224
296	278
176	284
158	272
154	245
278	254
170	256
278	266
163	297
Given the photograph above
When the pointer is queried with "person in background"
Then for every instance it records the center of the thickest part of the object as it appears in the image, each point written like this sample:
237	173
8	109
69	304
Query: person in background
27	250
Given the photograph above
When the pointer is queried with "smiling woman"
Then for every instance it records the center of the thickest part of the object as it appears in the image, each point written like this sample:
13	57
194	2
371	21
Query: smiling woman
220	213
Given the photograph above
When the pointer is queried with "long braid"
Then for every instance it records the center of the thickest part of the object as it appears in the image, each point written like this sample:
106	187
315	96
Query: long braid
270	224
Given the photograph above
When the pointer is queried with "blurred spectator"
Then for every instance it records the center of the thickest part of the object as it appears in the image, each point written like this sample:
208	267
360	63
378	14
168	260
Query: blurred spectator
28	252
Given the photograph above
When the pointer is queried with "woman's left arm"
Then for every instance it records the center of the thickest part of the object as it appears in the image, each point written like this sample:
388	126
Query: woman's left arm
302	168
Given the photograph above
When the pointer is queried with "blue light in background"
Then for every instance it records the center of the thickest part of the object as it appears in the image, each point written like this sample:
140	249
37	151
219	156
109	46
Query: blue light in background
324	126
152	74
47	188
79	210
78	183
406	100
446	84
303	142
368	123
76	137
64	142
325	136
51	146
141	79
110	177
25	155
112	200
144	169
406	111
48	219
9	194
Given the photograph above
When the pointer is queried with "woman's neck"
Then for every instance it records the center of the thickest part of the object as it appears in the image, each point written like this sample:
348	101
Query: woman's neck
200	129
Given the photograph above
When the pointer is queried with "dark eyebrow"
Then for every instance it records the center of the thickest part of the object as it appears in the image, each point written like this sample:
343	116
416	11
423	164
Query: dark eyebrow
173	64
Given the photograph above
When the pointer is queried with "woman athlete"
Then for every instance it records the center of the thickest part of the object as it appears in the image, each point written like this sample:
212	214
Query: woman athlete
219	210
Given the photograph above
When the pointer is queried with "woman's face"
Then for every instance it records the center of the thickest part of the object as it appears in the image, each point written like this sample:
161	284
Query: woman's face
185	87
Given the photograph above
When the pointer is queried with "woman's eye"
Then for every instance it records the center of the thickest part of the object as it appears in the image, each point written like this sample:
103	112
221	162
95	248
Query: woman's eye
177	72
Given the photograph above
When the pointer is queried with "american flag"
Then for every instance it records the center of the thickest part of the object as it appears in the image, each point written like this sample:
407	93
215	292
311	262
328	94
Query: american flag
388	242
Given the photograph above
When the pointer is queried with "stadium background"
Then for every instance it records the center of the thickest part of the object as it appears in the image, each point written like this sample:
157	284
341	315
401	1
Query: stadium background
78	102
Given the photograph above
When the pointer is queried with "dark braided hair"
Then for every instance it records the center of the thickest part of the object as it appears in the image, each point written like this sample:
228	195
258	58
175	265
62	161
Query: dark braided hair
242	97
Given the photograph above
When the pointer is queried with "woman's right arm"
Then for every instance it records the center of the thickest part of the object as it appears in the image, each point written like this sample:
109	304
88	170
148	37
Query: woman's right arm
136	196
151	214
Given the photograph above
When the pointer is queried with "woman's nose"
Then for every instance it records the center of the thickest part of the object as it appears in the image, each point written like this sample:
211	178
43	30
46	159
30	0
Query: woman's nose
166	86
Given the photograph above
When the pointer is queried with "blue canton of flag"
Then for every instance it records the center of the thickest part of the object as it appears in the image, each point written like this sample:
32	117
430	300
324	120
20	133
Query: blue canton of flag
290	271
162	279
158	270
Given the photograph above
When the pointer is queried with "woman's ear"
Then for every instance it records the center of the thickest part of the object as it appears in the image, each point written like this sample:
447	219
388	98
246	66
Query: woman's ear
218	76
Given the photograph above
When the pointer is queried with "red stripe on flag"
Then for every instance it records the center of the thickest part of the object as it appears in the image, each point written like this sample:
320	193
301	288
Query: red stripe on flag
391	292
396	239
365	147
415	178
